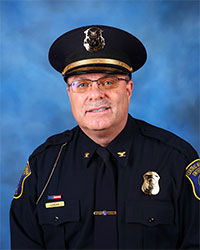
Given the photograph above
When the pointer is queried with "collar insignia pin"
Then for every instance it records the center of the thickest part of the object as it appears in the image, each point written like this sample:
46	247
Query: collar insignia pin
121	154
151	185
86	155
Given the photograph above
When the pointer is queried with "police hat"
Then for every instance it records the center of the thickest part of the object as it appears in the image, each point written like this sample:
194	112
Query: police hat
97	49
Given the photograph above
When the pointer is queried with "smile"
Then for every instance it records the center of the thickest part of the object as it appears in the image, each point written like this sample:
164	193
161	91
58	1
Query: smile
98	110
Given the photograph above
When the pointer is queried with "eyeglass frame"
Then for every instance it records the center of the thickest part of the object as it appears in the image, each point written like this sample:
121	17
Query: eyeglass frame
91	81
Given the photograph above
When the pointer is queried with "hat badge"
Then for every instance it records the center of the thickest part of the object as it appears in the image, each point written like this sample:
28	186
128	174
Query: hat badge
151	183
94	40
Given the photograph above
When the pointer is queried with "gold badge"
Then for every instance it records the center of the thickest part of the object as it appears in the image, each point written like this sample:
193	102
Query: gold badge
151	185
121	154
94	40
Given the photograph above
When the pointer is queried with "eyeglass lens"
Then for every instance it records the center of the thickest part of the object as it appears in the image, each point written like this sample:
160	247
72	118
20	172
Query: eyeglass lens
84	85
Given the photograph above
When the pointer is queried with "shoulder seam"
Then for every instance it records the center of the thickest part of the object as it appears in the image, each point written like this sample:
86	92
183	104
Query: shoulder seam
54	140
166	137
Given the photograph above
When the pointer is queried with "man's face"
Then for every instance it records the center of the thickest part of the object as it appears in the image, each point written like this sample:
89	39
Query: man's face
100	110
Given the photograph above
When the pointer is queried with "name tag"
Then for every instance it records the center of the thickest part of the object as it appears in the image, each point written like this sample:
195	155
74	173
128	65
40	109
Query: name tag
55	204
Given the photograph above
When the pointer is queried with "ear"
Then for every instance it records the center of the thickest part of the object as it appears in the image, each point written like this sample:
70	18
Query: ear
129	88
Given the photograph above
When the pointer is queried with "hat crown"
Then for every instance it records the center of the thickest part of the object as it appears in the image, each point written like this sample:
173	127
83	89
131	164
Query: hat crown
77	51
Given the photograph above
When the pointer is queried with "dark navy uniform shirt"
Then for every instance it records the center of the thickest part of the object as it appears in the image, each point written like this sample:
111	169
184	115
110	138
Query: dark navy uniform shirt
167	220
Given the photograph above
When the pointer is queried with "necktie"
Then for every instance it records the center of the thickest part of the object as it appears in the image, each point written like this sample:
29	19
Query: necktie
105	204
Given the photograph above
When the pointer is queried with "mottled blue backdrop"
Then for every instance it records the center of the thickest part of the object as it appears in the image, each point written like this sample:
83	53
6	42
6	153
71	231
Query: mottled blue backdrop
34	102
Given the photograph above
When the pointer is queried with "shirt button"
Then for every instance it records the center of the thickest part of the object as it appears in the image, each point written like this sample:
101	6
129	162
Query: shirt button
151	220
56	218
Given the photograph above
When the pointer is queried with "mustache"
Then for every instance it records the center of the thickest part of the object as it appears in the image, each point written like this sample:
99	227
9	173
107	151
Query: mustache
99	103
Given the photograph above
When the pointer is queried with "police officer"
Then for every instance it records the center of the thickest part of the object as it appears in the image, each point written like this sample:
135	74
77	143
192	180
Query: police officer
112	182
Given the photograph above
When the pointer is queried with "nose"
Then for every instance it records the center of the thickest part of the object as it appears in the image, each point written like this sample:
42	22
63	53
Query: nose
95	92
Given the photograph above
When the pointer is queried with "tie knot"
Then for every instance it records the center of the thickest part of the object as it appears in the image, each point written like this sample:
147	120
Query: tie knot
103	153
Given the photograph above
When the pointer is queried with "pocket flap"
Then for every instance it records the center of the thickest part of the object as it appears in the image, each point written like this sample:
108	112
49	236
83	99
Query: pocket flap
69	212
150	213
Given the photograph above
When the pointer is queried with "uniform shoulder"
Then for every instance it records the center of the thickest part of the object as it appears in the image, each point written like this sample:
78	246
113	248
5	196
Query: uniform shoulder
54	140
166	137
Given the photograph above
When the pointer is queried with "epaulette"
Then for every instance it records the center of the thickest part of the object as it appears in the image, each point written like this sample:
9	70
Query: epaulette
54	140
166	137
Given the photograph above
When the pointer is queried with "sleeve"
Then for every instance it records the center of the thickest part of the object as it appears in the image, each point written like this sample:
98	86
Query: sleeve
25	229
189	208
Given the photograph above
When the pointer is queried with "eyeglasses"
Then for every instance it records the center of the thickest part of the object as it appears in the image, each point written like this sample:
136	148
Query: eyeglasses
104	83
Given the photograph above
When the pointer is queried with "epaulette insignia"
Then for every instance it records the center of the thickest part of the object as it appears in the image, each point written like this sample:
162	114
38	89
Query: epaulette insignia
19	190
193	174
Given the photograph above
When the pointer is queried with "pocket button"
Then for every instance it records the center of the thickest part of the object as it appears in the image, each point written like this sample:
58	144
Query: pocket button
151	220
56	218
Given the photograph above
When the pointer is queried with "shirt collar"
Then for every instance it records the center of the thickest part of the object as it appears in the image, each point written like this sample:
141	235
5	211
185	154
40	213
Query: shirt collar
87	148
120	147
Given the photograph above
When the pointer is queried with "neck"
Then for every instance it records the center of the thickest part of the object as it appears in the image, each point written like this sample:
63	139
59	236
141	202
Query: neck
105	136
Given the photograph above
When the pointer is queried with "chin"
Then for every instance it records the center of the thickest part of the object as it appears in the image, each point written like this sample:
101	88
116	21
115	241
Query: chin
97	125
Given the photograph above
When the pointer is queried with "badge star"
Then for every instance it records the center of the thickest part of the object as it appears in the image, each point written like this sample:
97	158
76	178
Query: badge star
86	155
121	154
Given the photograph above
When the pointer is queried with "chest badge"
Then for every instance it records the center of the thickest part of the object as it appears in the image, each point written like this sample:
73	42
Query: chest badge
121	154
151	183
94	41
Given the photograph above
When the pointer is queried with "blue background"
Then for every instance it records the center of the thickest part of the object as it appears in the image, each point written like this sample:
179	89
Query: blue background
34	102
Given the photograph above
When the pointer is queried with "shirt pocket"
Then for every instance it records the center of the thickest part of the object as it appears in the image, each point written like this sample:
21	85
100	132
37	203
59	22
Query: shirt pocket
70	212
152	223
54	222
149	213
